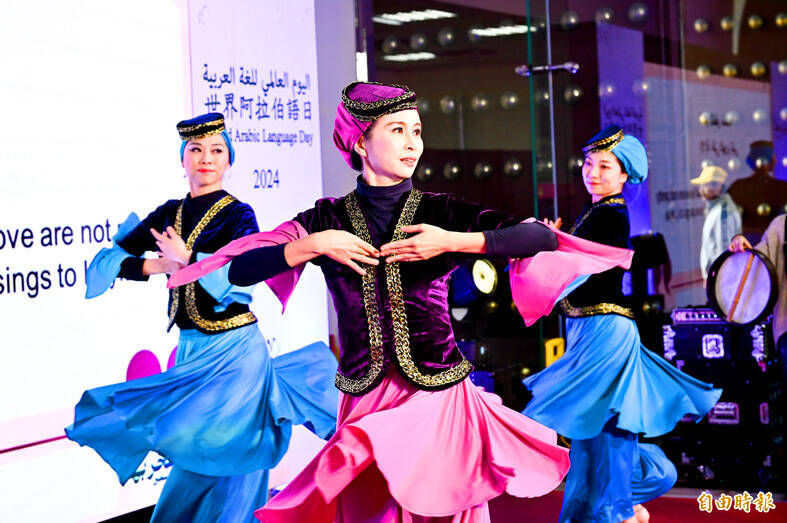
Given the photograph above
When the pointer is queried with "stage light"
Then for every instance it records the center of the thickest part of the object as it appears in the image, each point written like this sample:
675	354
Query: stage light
703	71
390	44
452	171
575	163
508	30
446	36
424	173
763	210
705	118
758	69
484	276
512	168
606	90
701	25
491	306
544	166
409	57
418	41
448	104
483	170
755	21
730	70
569	20
638	12
542	97
760	116
604	15
404	17
573	94
480	102
641	87
469	282
509	100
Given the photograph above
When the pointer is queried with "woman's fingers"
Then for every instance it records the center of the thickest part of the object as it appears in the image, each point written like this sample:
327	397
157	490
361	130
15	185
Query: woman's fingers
354	266
171	232
404	258
418	227
397	246
366	247
365	259
157	235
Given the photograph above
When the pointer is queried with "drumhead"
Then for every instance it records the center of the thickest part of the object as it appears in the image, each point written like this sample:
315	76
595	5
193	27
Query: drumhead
742	286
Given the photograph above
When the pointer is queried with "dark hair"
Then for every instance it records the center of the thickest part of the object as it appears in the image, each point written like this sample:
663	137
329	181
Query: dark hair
355	158
622	167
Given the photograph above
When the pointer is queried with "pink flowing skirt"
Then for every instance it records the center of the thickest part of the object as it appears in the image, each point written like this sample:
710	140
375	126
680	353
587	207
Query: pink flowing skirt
405	454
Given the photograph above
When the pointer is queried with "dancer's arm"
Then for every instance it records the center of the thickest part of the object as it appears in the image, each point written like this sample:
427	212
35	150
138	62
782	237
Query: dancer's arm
467	227
260	264
517	241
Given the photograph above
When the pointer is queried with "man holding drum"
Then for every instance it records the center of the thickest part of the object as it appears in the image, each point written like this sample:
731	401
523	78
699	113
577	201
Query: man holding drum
772	245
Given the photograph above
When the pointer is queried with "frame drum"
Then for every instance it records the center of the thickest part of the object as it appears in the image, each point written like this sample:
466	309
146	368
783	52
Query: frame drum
742	286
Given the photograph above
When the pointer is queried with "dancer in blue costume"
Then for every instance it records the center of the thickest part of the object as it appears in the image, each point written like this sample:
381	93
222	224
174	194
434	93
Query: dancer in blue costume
223	414
607	388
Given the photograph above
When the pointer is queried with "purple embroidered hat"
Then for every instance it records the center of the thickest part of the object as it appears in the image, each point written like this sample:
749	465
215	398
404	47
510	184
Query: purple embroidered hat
362	103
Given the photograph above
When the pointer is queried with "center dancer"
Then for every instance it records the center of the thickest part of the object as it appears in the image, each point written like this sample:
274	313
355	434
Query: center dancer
415	440
607	388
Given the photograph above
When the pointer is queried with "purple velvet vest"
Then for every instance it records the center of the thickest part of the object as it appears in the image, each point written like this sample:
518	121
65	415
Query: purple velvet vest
398	312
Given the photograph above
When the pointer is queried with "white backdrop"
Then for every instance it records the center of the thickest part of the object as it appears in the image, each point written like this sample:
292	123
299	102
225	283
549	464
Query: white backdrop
92	92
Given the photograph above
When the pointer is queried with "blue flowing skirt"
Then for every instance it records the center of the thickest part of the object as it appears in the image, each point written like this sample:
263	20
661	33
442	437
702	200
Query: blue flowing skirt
606	372
222	415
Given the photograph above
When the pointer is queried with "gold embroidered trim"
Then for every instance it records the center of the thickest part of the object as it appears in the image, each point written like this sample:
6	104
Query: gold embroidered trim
605	144
351	104
612	201
369	286
197	127
393	281
189	291
592	310
198	136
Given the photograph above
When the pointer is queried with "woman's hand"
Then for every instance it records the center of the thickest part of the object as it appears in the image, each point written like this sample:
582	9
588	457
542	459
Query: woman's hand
346	248
160	265
739	243
557	224
172	245
428	242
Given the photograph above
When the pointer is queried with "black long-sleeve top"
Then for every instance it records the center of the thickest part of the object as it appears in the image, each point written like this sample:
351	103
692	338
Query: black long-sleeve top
607	222
229	219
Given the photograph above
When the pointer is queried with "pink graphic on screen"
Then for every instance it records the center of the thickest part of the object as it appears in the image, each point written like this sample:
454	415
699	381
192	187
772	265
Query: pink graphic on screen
144	363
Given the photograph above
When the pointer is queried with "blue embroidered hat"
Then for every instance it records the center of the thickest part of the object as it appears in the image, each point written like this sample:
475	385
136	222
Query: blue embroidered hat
202	126
626	148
